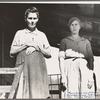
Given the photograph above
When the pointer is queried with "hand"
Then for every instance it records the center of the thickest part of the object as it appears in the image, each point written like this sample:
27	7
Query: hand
63	82
32	44
90	84
30	50
63	87
90	79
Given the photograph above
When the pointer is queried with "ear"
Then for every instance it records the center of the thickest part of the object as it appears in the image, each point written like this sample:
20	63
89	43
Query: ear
25	18
80	27
38	19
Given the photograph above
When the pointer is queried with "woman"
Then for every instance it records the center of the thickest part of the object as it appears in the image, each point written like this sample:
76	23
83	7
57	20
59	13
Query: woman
76	63
31	46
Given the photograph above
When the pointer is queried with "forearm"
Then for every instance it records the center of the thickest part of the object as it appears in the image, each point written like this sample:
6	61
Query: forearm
63	75
16	49
61	65
91	63
46	52
90	57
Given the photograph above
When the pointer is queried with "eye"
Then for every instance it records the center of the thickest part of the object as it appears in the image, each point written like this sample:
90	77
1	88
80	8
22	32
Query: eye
76	24
72	24
30	18
35	18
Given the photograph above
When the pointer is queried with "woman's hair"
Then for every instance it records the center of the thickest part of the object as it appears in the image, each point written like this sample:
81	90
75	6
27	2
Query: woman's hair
31	10
73	19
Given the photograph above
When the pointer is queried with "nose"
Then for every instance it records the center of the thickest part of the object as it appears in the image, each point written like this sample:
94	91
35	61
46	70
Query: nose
32	19
74	26
32	22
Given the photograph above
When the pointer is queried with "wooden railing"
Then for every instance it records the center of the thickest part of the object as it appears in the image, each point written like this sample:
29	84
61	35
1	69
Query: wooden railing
54	83
10	88
55	86
6	88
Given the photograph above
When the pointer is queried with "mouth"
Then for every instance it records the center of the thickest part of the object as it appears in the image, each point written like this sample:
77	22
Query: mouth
31	24
74	29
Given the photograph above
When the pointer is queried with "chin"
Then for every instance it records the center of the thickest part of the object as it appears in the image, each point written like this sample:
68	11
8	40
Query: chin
74	32
31	27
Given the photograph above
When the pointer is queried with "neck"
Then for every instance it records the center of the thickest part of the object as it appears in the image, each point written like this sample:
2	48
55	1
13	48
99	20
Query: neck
31	29
75	36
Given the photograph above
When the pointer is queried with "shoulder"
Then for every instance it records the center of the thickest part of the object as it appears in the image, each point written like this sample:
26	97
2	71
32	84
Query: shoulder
41	33
85	40
20	31
65	39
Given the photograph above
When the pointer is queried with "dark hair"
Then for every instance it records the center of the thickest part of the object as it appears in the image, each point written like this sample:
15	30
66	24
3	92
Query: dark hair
31	10
73	19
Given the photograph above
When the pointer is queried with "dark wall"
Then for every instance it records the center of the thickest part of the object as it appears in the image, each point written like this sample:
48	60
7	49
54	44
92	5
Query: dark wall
53	21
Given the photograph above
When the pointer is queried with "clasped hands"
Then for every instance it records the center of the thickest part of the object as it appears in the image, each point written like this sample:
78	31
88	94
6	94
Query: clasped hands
31	47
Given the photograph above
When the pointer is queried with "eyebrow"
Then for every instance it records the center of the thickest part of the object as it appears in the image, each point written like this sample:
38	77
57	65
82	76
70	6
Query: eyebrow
32	17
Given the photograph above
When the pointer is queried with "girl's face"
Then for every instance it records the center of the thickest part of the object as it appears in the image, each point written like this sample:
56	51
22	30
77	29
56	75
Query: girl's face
75	27
32	20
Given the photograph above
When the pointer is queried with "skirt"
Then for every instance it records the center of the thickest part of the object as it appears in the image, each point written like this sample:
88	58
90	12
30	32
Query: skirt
77	78
33	82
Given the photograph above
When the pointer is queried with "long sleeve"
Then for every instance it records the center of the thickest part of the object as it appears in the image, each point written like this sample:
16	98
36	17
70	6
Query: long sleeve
90	56
62	45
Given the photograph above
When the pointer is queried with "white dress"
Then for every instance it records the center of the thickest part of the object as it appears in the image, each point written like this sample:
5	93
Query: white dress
77	77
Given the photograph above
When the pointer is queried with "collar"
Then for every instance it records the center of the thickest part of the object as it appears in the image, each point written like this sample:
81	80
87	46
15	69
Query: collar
81	38
35	32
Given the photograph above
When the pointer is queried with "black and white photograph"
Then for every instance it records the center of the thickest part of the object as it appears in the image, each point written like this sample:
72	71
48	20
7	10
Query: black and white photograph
49	50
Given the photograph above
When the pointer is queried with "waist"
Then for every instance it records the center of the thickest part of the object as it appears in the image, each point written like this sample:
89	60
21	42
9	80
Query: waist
74	58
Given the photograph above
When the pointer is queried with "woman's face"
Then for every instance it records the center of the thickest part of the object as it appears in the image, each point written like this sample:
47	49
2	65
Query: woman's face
32	20
75	27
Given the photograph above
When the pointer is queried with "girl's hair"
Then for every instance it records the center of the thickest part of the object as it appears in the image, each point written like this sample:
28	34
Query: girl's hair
73	19
31	10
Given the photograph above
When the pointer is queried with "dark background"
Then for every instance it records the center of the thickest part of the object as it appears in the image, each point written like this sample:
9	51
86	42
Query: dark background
53	22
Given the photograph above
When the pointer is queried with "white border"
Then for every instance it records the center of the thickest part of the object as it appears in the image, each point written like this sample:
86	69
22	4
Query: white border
54	2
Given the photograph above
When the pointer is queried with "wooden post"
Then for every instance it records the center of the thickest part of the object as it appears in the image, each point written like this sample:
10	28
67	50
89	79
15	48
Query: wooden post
15	82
